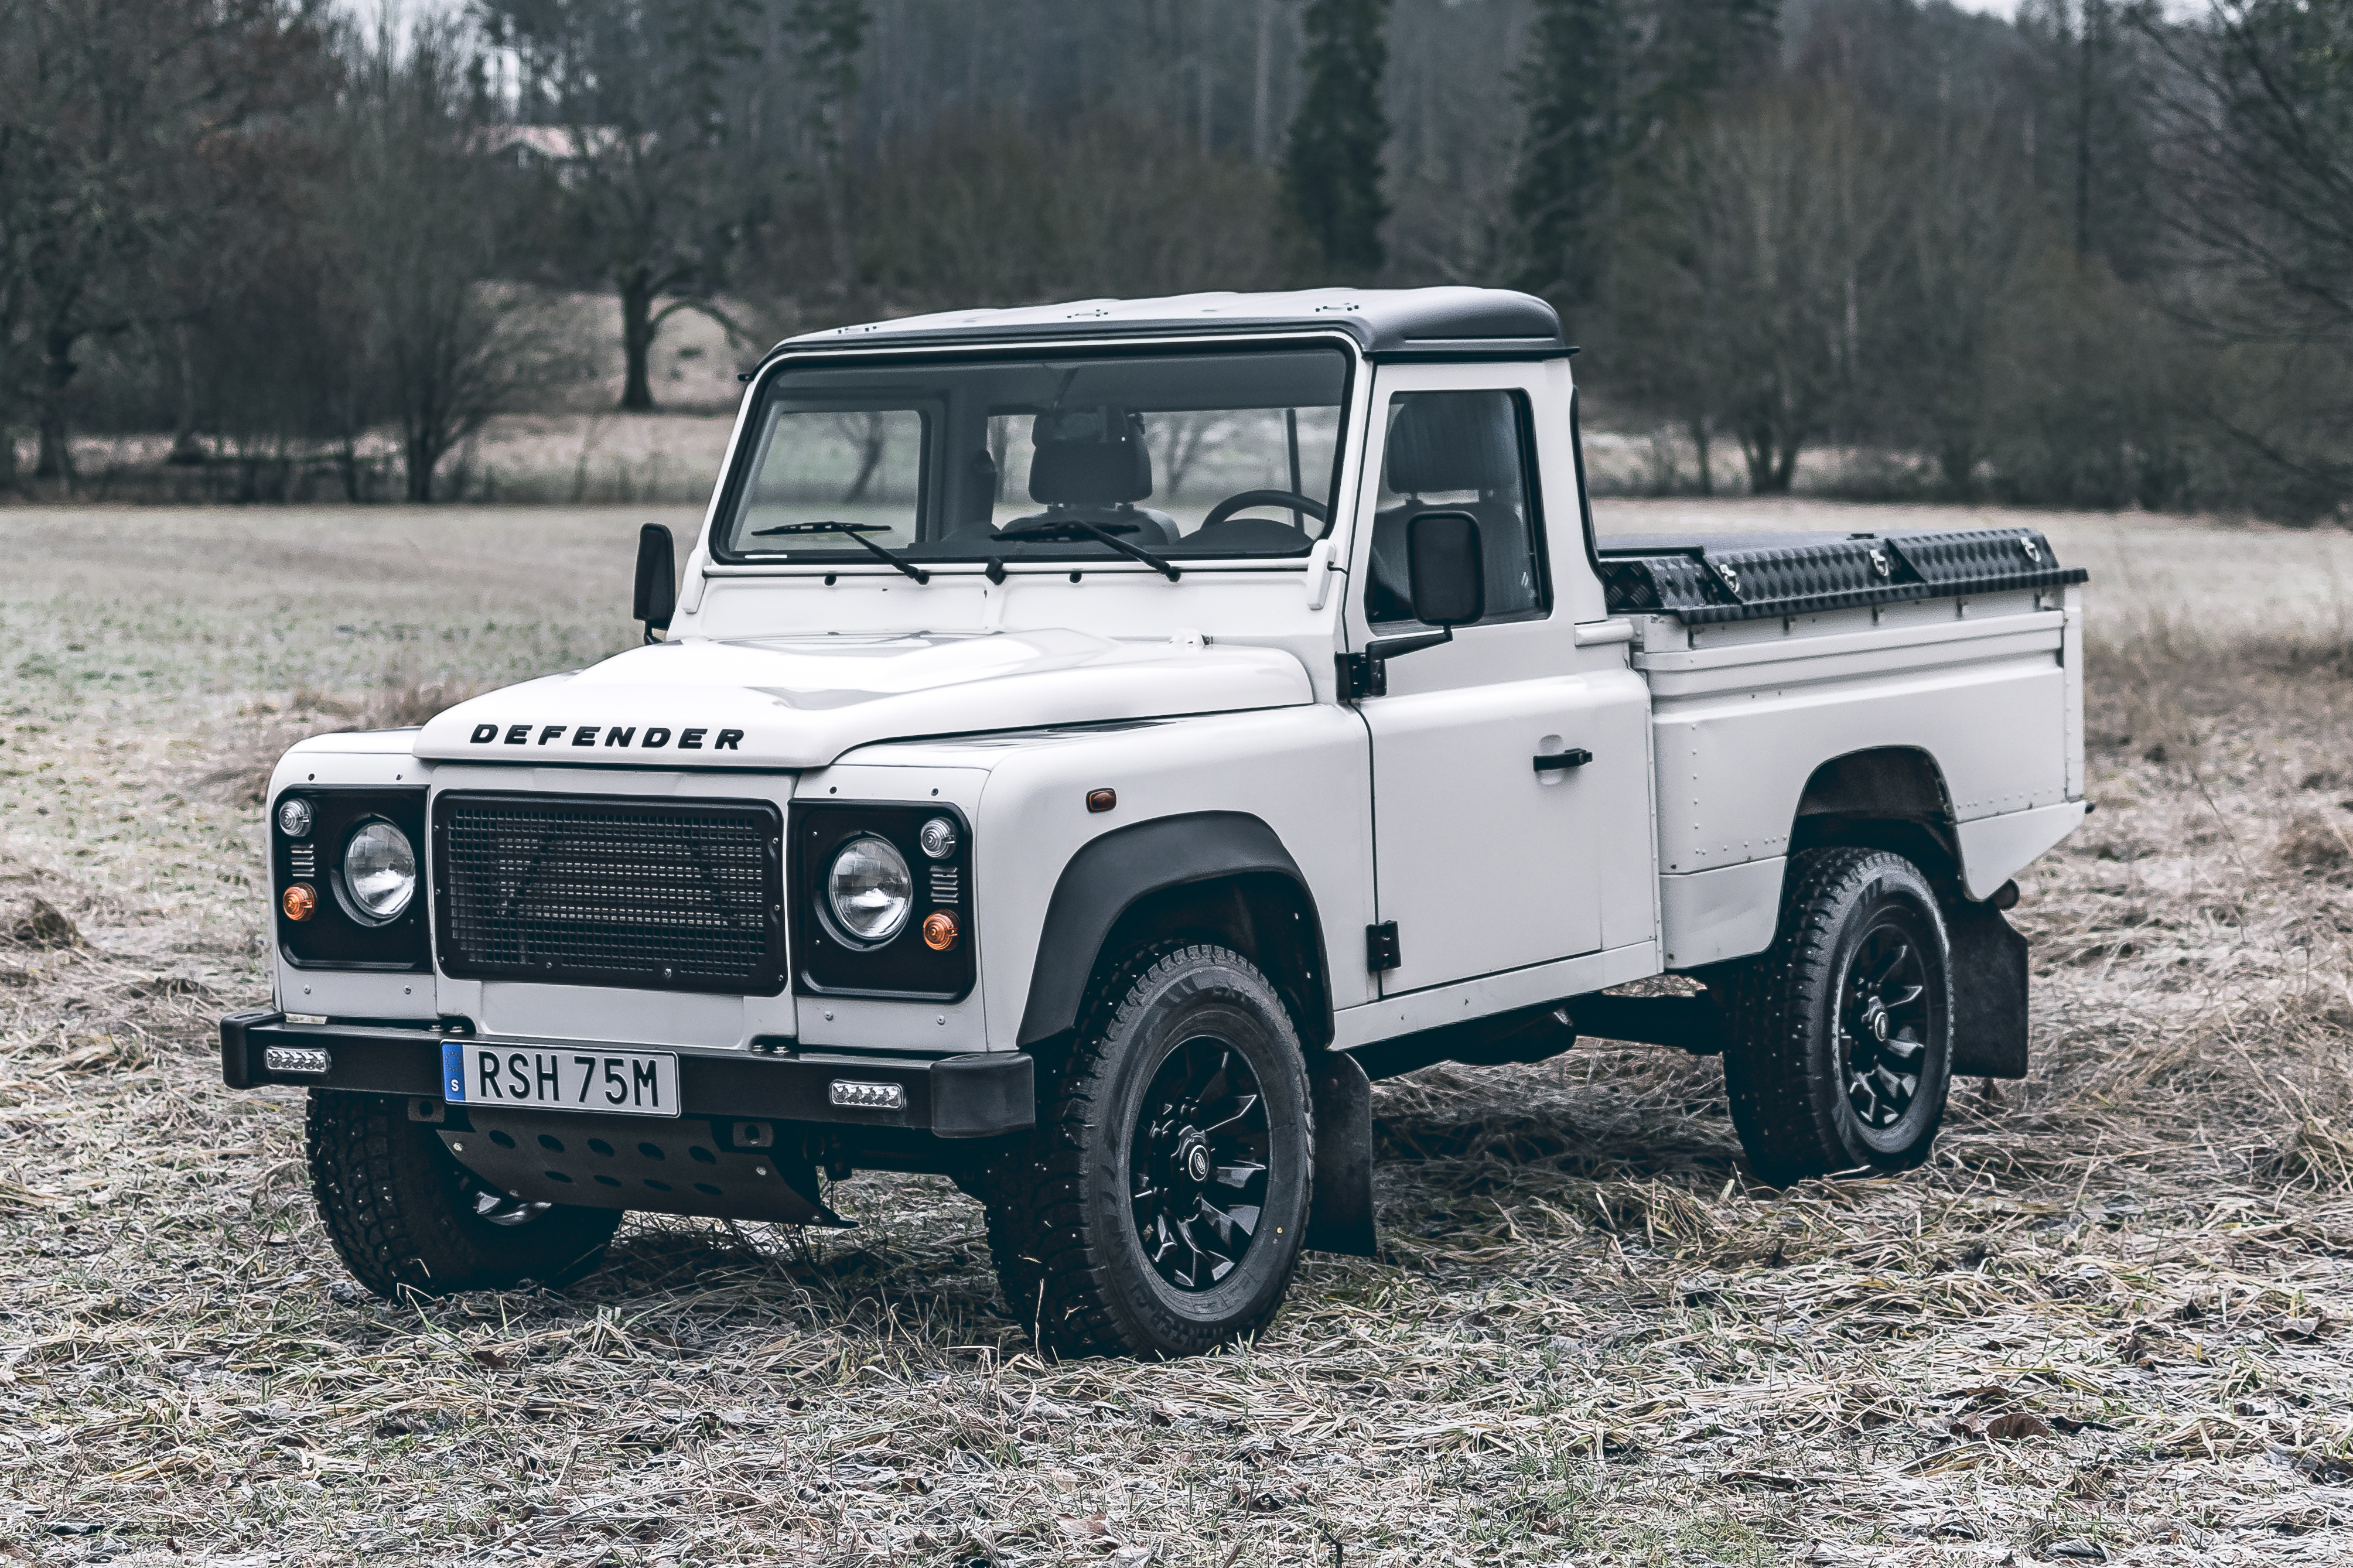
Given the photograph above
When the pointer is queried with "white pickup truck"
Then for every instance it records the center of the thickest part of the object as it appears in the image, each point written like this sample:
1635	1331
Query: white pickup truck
1088	744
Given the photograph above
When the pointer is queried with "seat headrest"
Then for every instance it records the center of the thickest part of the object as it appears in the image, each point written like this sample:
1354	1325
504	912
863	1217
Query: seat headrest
1452	441
1090	457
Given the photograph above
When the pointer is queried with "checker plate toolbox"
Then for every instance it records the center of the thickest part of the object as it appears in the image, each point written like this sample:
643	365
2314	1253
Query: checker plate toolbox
1704	578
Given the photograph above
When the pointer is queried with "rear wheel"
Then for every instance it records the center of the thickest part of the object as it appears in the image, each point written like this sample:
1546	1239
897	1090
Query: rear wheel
1158	1207
405	1216
1840	1043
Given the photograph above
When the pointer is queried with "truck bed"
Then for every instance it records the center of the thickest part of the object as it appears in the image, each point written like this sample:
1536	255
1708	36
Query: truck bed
1820	672
1699	578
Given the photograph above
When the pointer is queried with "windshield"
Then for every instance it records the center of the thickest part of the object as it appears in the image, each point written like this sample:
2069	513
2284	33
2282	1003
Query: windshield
1232	453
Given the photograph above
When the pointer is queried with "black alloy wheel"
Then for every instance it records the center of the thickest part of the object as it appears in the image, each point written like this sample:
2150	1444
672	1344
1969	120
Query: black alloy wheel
1884	1021
1839	1038
1158	1207
1197	1164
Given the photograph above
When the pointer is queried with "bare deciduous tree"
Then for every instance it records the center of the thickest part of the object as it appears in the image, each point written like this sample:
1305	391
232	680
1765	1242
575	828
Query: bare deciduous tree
1760	263
447	343
651	179
106	106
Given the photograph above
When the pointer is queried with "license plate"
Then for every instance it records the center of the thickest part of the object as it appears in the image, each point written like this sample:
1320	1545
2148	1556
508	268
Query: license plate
556	1077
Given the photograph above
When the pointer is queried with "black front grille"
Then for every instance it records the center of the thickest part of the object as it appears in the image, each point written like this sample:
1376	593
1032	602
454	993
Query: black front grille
602	890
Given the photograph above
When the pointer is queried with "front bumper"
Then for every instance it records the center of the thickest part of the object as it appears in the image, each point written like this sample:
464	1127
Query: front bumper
977	1096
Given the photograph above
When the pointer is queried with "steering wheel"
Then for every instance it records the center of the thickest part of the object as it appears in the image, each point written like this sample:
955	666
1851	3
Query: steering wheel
1288	500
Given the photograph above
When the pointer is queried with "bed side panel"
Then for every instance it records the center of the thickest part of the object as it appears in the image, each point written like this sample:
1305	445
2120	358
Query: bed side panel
1741	727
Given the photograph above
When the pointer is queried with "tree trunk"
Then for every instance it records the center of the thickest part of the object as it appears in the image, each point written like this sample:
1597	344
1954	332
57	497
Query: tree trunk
637	340
1262	87
56	461
1699	433
421	458
186	450
1958	458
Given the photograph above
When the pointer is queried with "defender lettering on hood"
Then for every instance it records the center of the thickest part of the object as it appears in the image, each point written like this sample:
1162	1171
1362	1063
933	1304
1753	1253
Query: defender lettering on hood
656	736
802	702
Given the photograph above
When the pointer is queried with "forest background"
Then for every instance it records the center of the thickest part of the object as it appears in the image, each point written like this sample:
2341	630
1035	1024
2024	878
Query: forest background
2099	255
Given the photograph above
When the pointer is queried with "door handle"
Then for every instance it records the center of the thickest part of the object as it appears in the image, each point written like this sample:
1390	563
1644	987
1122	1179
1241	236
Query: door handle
1574	757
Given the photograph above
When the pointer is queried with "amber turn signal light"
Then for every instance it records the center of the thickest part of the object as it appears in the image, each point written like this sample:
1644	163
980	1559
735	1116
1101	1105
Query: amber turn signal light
1102	799
298	901
939	930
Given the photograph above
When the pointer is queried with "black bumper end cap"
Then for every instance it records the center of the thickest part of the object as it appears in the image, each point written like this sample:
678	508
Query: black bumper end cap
237	1060
984	1094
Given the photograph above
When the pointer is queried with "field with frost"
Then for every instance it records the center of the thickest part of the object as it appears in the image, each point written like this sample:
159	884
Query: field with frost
2108	1323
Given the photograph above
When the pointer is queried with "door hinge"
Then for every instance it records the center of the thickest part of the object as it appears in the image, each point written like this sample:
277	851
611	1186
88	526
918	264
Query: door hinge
1381	947
1366	674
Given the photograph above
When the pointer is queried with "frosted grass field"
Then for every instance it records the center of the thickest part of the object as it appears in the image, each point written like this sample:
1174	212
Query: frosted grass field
2108	1323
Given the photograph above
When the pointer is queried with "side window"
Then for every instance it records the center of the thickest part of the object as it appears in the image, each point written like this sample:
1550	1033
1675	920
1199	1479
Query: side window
1459	451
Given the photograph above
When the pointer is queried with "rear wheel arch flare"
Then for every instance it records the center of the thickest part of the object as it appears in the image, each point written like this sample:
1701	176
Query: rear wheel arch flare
1221	875
1888	797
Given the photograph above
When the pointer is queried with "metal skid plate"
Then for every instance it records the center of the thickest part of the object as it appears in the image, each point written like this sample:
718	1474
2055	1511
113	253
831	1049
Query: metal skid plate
666	1167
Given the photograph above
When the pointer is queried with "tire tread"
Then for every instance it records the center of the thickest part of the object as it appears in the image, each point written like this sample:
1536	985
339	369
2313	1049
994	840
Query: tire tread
1783	1097
1054	1274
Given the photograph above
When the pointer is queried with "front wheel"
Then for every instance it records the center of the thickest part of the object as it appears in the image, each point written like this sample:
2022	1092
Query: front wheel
405	1216
1158	1207
1840	1046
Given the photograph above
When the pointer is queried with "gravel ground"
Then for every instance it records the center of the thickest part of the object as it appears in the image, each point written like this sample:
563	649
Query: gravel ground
2108	1323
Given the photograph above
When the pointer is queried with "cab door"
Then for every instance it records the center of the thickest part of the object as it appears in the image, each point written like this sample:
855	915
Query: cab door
1509	765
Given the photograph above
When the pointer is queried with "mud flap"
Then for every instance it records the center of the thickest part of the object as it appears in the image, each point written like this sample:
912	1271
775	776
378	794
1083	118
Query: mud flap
1988	993
1340	1209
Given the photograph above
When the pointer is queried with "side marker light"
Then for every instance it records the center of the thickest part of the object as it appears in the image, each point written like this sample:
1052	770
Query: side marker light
1102	799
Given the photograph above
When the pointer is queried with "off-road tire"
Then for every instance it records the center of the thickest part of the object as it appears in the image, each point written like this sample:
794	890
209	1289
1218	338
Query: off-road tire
401	1210
1794	1027
1063	1223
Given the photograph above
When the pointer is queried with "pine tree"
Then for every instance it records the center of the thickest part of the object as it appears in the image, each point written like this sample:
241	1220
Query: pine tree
1332	172
1699	49
1569	87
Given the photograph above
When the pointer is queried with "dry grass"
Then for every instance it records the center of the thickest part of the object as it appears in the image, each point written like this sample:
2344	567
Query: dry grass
250	749
2108	1323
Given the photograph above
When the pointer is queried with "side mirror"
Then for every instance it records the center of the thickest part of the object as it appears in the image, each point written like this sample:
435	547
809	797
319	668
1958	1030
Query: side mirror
1446	569
1447	575
656	579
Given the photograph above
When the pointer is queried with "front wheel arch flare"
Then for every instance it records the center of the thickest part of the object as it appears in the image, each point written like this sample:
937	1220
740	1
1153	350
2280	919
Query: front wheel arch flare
1111	876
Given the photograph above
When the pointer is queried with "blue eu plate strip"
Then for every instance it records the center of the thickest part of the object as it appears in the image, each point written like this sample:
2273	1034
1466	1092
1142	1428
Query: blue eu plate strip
453	1071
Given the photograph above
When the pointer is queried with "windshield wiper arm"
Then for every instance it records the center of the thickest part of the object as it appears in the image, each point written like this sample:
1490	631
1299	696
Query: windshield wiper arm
856	533
1065	526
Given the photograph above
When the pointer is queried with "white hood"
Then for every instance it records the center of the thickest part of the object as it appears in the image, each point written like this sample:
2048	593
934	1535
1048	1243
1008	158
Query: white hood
800	702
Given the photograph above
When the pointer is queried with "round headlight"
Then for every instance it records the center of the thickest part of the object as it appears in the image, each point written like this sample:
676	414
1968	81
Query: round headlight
380	870
868	889
938	839
294	817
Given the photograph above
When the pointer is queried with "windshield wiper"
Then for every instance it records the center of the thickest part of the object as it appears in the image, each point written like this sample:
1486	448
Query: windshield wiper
1074	529
856	533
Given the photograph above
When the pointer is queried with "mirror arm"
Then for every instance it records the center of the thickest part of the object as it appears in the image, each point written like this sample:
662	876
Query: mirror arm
1366	674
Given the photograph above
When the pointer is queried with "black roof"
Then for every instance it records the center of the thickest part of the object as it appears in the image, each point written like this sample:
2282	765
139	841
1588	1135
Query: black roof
1382	321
